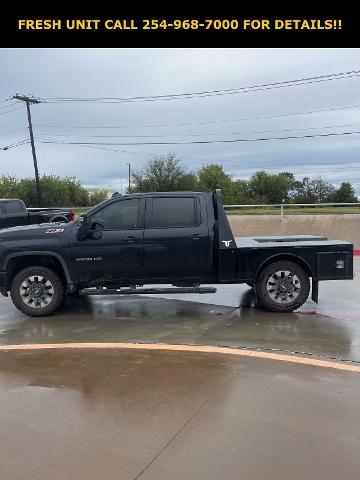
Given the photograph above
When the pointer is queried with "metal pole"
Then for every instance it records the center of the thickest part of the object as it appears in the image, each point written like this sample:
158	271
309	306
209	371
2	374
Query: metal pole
37	180
129	177
27	100
121	185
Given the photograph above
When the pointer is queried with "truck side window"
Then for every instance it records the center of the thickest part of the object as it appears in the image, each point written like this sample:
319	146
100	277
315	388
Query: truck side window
117	216
173	212
13	207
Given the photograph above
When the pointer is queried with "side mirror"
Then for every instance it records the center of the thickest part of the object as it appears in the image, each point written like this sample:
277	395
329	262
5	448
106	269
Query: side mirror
83	227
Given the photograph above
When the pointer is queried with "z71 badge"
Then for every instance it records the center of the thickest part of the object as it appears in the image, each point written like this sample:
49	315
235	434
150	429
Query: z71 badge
54	230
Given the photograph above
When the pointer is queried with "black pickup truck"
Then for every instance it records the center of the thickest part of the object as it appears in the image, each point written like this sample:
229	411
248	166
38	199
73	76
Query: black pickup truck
14	213
182	239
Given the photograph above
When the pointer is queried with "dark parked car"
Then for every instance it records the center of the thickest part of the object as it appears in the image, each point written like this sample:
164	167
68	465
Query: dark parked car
178	238
14	213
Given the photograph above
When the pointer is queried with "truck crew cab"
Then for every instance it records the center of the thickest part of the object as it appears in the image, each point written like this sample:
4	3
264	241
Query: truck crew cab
178	238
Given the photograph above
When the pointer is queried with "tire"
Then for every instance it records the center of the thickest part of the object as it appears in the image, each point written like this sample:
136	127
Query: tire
47	291
282	286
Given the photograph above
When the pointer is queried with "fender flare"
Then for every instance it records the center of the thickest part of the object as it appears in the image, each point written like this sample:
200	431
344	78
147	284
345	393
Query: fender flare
42	252
290	256
61	218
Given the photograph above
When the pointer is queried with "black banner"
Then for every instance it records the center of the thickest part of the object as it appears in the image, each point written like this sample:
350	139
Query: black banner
235	27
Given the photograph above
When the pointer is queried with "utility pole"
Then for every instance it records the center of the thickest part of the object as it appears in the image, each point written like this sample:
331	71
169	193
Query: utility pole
28	101
121	185
129	177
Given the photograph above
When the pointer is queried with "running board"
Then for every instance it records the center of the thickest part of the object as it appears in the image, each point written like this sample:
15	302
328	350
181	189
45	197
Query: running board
140	291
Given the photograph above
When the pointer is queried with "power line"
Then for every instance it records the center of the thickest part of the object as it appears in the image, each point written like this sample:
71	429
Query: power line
13	110
188	97
199	134
207	93
16	144
245	119
13	131
207	141
10	105
127	152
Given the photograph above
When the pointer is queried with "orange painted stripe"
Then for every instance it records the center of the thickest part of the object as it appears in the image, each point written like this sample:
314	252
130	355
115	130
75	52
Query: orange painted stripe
186	348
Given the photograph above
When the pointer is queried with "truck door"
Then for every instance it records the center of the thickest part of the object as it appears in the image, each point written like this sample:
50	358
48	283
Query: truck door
176	239
15	213
113	251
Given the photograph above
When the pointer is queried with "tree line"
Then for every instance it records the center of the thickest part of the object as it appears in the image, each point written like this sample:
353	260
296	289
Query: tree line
55	191
167	173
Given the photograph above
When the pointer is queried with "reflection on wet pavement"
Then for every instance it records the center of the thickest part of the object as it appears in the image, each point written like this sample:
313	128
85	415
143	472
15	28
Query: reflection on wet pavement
148	320
161	415
153	415
227	318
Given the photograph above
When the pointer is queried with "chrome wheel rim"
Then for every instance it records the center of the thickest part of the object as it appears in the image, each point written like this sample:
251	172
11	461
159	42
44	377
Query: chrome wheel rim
283	286
37	291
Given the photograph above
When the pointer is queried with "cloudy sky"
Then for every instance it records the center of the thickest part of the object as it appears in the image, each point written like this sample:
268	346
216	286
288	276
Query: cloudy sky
93	73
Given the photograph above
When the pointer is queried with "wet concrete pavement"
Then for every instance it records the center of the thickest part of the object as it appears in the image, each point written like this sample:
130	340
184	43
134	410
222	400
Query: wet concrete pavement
121	414
161	415
227	318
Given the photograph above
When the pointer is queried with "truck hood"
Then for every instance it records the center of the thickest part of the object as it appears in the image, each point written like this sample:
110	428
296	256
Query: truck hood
43	230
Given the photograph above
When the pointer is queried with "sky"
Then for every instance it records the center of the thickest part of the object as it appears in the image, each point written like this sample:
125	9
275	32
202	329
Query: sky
93	73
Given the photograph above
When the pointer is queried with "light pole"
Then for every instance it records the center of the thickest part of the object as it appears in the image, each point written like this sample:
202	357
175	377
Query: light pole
121	185
127	163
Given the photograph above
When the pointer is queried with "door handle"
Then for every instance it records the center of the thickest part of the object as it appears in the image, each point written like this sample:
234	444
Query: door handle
129	239
196	236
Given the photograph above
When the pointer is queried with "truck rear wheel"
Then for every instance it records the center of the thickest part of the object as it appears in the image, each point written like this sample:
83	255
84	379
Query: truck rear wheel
282	286
37	291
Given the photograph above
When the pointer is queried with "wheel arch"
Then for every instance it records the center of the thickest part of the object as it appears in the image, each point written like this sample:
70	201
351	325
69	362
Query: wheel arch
58	218
17	261
287	257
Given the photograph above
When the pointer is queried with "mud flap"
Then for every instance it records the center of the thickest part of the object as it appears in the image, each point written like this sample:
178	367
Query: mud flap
315	291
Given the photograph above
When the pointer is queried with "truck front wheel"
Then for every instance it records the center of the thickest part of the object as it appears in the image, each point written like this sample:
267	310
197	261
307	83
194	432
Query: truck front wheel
37	291
282	286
